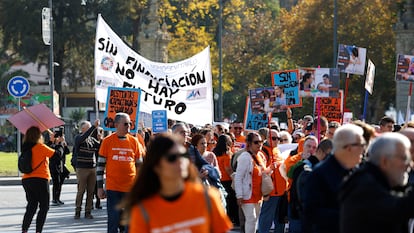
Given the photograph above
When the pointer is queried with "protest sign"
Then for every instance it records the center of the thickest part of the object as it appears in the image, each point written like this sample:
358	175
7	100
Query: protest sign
329	107
124	100
253	121
183	89
369	80
267	99
351	59
405	68
319	82
289	81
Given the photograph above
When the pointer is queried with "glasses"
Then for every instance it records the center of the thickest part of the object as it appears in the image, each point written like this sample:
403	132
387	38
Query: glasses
171	158
258	142
362	145
284	140
275	138
183	132
239	128
127	124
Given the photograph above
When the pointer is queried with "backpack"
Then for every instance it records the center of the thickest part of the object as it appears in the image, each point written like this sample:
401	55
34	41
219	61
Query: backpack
24	162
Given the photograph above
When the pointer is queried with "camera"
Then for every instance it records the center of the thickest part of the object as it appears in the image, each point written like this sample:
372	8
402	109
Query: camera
58	132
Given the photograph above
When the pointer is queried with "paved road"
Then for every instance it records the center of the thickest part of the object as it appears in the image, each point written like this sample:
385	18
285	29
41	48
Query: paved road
59	218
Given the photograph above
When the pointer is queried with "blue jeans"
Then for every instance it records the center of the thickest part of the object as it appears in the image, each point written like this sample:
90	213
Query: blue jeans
269	214
295	225
114	215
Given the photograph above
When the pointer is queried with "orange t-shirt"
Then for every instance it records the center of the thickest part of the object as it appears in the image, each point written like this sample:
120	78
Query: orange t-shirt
289	162
278	180
120	155
256	182
189	213
223	163
240	143
40	154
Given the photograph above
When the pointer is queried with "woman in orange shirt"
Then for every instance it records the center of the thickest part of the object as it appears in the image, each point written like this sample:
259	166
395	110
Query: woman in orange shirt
247	181
36	183
223	154
168	195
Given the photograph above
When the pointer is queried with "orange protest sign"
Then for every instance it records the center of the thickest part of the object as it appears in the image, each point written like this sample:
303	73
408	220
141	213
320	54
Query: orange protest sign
124	100
329	107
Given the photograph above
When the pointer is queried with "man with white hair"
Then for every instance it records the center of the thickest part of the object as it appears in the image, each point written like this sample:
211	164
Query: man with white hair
325	180
369	199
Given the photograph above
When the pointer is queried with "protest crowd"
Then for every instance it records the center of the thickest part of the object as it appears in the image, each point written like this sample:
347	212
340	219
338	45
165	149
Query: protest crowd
324	176
317	173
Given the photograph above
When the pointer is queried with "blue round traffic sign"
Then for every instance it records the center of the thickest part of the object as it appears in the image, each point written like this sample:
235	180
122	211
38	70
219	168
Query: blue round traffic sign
18	86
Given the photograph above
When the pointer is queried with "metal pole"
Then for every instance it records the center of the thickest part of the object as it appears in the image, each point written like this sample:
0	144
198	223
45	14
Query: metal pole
335	33
19	140
51	66
220	108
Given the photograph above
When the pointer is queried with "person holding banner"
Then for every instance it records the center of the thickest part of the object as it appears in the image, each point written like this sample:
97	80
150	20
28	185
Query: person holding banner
120	155
36	183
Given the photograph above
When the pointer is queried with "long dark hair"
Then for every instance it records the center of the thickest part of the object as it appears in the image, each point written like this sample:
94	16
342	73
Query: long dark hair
148	182
223	145
33	135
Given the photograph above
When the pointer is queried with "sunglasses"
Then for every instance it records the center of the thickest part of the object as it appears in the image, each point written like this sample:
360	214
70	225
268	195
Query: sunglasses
258	142
127	124
275	138
171	158
239	128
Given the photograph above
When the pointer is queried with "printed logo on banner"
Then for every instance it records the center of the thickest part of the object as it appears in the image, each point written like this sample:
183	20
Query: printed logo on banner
124	100
289	81
196	94
107	63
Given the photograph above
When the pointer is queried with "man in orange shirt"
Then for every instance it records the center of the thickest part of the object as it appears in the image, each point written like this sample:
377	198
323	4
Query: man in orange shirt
240	142
120	155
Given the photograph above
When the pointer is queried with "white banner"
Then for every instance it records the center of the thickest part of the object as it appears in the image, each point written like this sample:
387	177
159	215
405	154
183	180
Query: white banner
182	88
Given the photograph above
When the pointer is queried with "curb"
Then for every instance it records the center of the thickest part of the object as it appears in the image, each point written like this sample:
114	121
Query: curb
15	180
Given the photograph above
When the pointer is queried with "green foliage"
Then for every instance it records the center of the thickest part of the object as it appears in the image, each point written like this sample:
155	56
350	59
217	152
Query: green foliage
78	114
257	38
8	164
307	34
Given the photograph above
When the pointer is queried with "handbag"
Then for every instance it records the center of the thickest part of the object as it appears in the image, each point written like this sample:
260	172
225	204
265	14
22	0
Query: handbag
267	184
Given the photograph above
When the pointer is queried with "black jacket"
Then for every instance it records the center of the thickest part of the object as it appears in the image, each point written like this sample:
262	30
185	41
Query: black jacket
368	204
323	186
85	150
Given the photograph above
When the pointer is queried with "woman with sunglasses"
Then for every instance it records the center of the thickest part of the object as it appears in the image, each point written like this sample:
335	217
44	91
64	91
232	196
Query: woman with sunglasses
250	166
168	194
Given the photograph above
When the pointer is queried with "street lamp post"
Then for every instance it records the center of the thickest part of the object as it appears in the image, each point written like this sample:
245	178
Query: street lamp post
220	105
335	33
51	62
